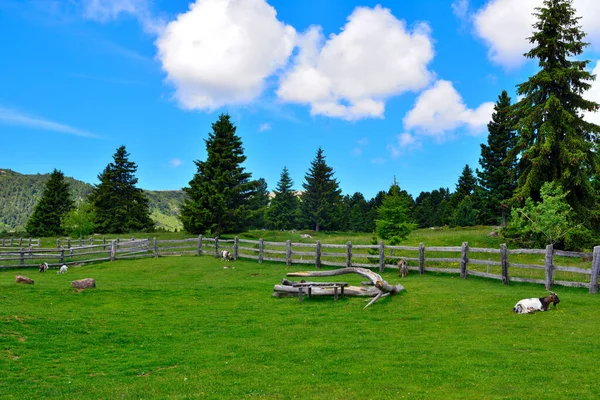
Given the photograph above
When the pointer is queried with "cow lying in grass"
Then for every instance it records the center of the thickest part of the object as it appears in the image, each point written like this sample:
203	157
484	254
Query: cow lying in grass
529	306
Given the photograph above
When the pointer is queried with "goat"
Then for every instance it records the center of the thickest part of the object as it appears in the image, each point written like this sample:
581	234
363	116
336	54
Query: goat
226	256
43	267
402	268
529	306
63	270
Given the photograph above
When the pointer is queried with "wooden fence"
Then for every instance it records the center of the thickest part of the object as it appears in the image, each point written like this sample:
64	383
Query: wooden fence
19	242
461	260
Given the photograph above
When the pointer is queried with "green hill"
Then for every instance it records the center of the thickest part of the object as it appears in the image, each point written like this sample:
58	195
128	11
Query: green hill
20	192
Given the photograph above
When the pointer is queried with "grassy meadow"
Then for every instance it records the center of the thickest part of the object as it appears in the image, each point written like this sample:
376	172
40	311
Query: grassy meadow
187	328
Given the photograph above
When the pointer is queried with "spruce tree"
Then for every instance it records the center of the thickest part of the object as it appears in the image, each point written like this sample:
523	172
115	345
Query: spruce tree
283	212
49	212
555	144
321	200
220	191
120	207
393	216
466	183
258	204
497	175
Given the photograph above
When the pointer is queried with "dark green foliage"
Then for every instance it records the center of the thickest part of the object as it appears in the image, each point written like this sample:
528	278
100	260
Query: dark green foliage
79	222
466	183
371	213
321	200
465	214
164	207
431	208
497	176
220	191
20	193
120	207
392	222
555	144
49	212
258	204
283	212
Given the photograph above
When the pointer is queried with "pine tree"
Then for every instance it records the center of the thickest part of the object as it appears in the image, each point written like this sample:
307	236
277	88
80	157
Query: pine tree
56	202
393	222
321	200
466	183
258	204
555	144
497	175
220	191
283	212
120	206
358	208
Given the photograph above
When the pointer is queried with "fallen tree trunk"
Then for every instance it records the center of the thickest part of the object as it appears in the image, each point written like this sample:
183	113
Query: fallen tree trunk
381	287
287	289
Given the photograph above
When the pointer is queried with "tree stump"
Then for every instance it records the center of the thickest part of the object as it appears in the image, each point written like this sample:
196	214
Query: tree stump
86	283
23	279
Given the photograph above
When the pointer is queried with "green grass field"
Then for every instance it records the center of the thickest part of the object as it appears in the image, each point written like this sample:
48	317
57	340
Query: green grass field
186	328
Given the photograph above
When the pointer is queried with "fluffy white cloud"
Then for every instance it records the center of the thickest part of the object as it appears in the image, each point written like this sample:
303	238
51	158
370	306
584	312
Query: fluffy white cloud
593	94
221	51
351	74
106	10
440	110
505	26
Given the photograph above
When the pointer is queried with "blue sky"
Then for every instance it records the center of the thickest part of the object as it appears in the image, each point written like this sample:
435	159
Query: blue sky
389	88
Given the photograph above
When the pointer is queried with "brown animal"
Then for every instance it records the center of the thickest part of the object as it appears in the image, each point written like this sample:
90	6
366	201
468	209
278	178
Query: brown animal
43	267
402	268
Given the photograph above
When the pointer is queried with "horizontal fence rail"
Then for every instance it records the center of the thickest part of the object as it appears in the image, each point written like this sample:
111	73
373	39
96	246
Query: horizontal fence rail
19	242
460	260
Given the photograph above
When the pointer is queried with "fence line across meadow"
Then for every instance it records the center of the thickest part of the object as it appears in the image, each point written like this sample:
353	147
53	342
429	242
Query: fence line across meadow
460	261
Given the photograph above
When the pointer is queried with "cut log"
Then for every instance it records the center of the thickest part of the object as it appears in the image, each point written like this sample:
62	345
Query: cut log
381	287
23	279
86	283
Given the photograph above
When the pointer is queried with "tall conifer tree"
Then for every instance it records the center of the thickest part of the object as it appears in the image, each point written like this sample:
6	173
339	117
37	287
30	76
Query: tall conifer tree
220	191
321	200
49	212
120	206
497	175
283	212
555	144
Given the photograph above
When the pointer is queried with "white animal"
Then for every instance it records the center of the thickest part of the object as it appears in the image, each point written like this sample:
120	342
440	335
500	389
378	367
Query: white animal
305	236
43	267
529	306
226	256
63	270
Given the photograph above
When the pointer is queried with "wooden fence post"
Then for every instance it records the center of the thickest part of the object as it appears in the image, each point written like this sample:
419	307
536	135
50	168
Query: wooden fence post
421	258
261	246
199	245
381	256
68	243
318	255
80	243
504	262
348	254
11	240
29	245
464	259
549	265
595	271
62	256
113	249
57	243
155	247
236	245
2	242
216	247
288	252
22	257
21	242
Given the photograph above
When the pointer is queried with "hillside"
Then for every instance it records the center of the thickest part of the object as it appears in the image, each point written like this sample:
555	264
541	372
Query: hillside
20	192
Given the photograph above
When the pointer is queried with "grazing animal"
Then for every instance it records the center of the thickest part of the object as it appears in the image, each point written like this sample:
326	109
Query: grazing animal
402	268
305	236
226	256
529	306
63	270
43	267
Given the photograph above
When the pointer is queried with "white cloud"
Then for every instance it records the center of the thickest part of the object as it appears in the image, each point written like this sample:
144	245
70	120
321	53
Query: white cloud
12	117
505	26
360	145
460	8
176	162
221	51
264	127
440	110
405	142
351	74
107	10
593	94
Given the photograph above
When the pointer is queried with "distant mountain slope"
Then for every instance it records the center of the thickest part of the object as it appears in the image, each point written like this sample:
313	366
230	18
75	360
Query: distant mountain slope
19	194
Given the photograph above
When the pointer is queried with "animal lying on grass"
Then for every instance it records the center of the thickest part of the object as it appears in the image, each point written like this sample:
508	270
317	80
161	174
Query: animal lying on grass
529	306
